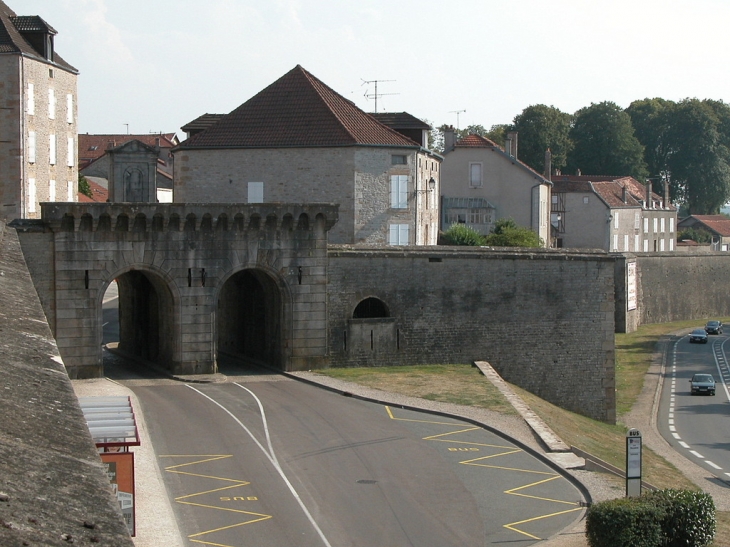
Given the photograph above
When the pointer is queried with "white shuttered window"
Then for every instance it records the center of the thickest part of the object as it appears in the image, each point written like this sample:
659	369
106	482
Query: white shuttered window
52	149
399	191
31	146
31	195
398	234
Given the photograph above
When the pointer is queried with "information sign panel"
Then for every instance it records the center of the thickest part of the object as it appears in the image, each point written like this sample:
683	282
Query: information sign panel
633	463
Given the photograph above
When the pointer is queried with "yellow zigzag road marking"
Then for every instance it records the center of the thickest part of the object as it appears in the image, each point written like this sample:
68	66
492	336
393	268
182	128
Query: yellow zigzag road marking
479	462
237	483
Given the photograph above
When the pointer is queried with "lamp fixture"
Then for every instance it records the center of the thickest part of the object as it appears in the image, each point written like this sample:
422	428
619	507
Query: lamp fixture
431	187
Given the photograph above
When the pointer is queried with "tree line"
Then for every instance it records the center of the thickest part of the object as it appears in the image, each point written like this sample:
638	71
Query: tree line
687	141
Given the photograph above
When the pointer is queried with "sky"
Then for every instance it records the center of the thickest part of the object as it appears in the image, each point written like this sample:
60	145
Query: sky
151	66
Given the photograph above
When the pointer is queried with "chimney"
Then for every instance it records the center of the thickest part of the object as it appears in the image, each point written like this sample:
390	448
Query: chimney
666	192
110	145
548	164
449	138
511	144
648	194
623	193
577	172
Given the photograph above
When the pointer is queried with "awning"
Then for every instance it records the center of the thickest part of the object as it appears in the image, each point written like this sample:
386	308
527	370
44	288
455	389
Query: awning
110	421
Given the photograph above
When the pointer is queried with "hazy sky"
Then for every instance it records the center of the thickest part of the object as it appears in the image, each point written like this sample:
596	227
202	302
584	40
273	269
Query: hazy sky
158	64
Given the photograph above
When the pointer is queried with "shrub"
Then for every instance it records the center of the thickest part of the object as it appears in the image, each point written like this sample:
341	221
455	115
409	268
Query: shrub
461	234
690	517
506	233
665	518
625	522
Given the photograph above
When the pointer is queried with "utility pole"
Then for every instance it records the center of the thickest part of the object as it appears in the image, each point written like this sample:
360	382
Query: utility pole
457	112
376	94
127	127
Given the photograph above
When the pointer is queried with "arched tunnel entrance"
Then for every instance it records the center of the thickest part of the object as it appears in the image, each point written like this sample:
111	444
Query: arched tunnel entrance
145	318
250	317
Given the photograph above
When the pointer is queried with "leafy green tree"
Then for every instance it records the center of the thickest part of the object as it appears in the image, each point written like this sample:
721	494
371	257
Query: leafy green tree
541	127
506	233
605	144
695	234
461	234
498	134
84	187
651	119
698	156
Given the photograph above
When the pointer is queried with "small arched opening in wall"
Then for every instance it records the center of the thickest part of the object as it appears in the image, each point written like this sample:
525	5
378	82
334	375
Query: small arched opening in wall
250	320
138	317
370	308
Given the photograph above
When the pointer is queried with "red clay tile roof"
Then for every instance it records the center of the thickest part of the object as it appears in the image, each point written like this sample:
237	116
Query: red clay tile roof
612	193
719	224
92	147
98	192
475	141
297	110
609	188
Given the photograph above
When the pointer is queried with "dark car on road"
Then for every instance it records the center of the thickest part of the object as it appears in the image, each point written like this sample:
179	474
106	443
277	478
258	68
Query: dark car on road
713	327
699	336
702	383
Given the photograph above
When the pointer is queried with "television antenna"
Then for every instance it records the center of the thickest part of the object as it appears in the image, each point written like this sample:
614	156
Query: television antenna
376	94
457	112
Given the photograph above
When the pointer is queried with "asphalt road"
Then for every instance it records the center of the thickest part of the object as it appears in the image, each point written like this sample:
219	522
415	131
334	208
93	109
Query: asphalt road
696	426
267	460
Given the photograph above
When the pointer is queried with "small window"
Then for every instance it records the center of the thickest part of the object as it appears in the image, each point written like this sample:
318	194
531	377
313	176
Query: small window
50	73
70	190
52	190
255	192
585	199
398	159
671	225
475	175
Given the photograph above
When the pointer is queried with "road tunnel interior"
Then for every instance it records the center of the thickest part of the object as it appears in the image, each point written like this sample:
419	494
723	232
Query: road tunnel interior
249	319
145	311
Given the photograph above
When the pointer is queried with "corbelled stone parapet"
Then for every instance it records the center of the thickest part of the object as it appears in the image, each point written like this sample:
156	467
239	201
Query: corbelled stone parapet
178	217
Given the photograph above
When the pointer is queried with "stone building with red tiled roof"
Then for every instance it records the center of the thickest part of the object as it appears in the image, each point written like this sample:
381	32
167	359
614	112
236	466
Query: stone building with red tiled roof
38	98
718	226
299	141
482	183
616	214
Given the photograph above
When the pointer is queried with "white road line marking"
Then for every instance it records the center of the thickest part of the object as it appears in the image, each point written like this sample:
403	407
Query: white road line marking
672	428
676	436
697	454
671	421
683	444
708	462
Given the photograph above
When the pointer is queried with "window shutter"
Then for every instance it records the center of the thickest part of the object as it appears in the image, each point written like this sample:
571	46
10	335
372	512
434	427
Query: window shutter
31	99
399	191
52	190
255	192
70	191
31	146
403	234
31	195
70	152
52	149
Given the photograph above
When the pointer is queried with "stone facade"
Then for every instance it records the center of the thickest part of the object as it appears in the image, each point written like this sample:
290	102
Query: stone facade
357	178
37	141
173	264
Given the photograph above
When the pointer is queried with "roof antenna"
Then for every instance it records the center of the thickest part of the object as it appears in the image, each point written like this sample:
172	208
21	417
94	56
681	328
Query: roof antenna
376	94
457	112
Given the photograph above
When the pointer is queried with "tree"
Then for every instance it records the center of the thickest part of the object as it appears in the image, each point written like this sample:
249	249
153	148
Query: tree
541	127
506	233
650	119
697	154
84	187
605	144
498	134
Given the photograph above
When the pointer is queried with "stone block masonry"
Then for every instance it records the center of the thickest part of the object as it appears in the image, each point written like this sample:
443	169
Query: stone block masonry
543	319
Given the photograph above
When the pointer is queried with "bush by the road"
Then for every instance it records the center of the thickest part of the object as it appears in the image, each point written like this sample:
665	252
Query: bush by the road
665	518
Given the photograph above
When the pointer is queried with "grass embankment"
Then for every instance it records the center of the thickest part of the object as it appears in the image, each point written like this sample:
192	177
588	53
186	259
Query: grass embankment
461	384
